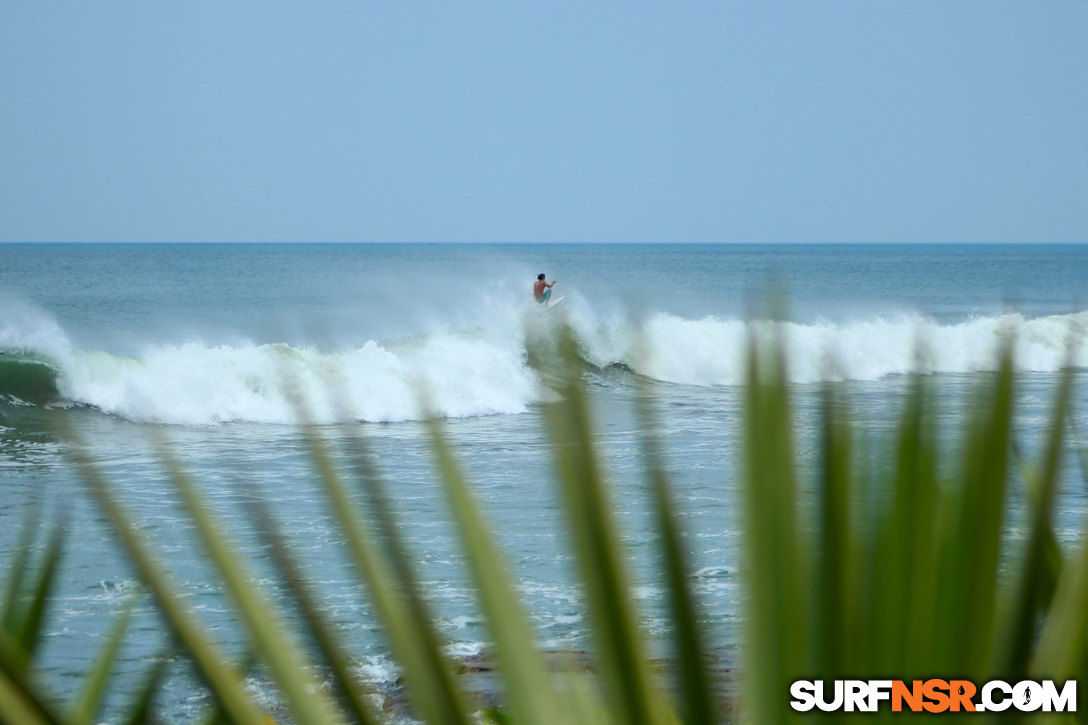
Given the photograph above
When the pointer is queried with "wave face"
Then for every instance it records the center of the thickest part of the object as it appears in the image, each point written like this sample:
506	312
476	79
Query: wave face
486	370
28	379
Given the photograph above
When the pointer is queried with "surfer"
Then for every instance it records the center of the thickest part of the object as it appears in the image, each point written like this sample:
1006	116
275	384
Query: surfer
542	290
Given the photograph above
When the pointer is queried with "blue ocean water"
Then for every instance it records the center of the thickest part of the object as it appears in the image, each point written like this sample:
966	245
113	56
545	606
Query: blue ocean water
207	343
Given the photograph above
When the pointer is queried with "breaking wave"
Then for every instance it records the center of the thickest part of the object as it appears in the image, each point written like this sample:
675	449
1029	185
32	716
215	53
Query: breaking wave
487	369
710	351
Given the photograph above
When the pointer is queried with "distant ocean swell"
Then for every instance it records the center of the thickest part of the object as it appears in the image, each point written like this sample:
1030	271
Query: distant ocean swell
485	372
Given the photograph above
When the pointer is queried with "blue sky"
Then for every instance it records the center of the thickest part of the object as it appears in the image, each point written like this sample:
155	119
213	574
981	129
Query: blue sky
545	122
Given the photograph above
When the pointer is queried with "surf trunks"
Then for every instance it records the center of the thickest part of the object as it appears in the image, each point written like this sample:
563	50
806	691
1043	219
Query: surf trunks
547	294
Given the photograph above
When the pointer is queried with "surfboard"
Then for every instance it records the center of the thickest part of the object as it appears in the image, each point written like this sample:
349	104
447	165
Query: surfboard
552	303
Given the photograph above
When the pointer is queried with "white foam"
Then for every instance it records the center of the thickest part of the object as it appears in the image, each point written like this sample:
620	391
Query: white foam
711	351
195	384
484	369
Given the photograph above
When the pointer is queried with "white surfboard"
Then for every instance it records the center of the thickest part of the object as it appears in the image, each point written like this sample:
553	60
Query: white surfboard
552	303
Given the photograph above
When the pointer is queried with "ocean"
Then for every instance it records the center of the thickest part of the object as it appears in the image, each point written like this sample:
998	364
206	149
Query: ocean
207	346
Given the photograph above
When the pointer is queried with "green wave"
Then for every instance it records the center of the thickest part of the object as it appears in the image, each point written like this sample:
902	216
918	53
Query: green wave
29	377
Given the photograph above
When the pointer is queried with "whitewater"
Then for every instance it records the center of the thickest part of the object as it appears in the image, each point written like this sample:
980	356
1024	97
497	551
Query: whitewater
486	370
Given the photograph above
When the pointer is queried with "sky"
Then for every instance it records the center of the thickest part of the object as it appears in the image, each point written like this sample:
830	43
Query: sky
420	121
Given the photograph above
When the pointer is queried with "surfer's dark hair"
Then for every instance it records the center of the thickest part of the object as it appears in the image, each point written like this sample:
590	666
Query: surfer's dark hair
540	276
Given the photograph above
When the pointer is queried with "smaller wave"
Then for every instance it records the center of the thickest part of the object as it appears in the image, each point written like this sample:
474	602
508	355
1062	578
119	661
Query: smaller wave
711	351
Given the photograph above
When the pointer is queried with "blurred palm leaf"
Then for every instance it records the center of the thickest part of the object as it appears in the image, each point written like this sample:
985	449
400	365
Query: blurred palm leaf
895	572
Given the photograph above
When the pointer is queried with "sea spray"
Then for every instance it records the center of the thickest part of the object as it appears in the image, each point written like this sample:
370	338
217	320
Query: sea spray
28	330
501	367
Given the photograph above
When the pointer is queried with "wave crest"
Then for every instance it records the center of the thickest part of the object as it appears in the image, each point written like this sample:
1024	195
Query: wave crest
197	384
490	370
711	351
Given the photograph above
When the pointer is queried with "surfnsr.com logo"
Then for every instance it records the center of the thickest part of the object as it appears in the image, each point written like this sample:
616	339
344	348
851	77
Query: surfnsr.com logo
933	696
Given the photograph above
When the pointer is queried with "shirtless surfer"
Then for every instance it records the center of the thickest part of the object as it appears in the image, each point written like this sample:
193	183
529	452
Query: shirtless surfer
542	290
